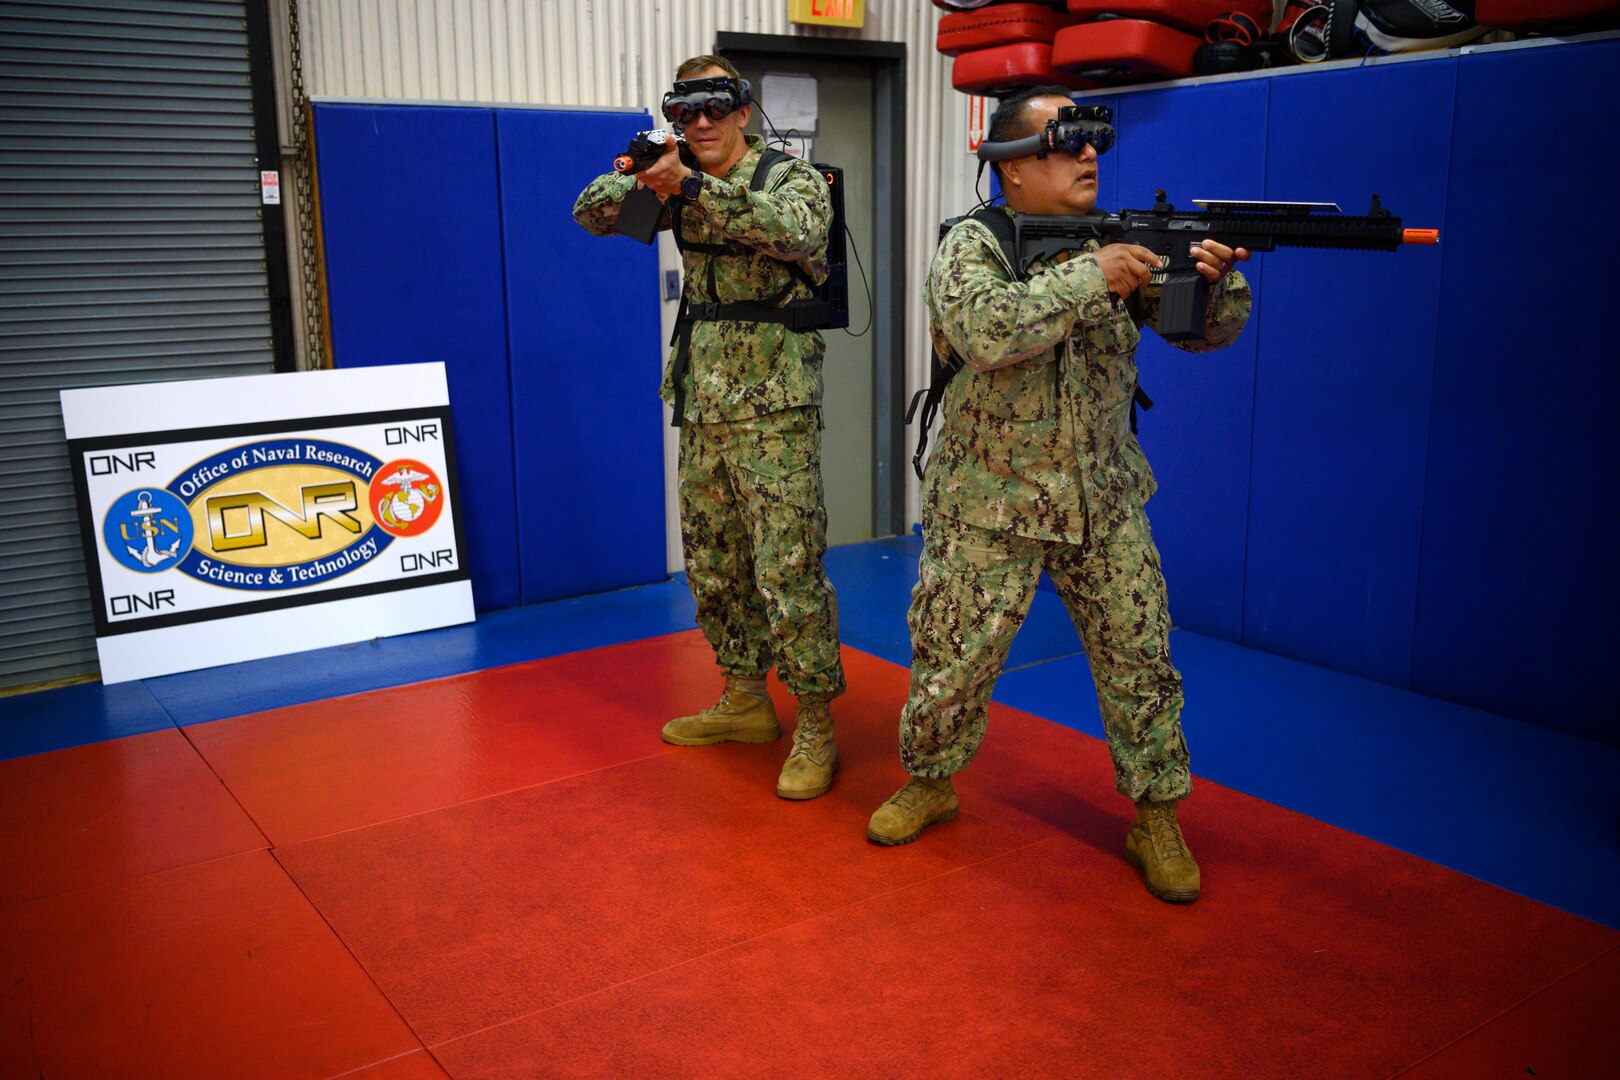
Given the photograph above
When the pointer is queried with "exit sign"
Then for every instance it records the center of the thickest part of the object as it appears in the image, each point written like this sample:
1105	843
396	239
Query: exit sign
828	12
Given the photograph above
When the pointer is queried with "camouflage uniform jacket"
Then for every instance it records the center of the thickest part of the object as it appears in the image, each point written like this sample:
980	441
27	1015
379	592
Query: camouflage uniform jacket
742	369
1036	437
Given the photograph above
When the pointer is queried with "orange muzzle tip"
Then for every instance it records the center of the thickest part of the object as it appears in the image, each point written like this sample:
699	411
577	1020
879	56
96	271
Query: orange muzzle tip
1420	236
622	164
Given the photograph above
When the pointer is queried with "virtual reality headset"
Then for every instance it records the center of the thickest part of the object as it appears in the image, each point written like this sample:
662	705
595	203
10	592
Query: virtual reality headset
1075	126
712	97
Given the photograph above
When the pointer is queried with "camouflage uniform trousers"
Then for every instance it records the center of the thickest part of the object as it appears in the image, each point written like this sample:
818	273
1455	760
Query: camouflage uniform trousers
973	593
755	531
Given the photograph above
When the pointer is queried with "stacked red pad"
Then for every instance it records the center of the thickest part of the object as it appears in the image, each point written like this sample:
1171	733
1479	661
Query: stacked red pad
1002	47
1142	39
1189	15
999	24
1004	68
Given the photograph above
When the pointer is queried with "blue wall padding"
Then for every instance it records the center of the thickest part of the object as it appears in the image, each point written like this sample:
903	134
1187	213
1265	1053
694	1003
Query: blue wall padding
449	237
410	214
1346	355
1407	467
1197	435
586	357
1521	527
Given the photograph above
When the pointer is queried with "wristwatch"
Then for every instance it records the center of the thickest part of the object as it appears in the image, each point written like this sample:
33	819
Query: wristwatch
692	187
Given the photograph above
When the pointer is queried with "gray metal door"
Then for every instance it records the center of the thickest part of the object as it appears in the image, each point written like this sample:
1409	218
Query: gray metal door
844	137
131	250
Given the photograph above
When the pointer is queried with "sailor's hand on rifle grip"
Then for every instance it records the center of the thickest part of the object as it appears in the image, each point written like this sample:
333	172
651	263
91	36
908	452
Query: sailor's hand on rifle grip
1215	260
1127	267
665	175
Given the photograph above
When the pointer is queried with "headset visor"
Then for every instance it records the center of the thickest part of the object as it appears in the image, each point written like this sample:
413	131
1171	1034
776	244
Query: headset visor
713	97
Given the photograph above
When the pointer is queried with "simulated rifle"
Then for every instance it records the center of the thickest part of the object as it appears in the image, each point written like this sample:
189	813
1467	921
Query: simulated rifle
1169	234
638	213
648	146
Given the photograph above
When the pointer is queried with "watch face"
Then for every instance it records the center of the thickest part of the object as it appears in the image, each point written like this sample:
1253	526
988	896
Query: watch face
692	186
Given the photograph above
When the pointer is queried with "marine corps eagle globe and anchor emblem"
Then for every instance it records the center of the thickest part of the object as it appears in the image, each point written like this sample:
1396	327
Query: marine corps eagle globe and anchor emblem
405	497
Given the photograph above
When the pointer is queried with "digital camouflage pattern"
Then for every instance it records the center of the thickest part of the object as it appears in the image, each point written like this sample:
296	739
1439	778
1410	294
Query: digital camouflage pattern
755	530
753	523
973	590
742	369
1036	437
1036	467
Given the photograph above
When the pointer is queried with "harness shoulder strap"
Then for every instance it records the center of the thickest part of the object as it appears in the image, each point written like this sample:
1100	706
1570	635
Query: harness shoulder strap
946	366
1003	229
767	162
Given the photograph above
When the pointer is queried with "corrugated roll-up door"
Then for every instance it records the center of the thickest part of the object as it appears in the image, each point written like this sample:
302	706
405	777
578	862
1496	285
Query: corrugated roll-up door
131	250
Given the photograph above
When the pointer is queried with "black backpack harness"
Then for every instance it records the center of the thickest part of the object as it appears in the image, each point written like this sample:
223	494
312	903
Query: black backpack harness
796	315
945	368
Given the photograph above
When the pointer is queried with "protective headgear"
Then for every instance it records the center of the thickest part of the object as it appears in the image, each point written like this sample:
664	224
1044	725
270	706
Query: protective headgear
712	97
1075	126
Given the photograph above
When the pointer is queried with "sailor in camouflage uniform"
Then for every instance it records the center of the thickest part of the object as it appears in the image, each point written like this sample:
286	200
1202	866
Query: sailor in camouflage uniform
753	521
1037	468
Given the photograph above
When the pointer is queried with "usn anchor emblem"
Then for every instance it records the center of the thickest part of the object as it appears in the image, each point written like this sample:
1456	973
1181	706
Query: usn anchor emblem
409	504
150	556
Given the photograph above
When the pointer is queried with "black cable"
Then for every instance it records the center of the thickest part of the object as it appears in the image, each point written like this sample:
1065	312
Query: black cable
769	127
870	307
984	200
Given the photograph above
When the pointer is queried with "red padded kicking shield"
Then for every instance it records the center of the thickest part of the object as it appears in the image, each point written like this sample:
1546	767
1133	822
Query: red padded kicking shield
1124	50
1002	24
1192	15
999	70
1531	13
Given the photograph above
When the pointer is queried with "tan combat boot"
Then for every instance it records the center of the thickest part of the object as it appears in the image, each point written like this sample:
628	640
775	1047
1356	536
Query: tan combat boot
1155	846
809	769
744	713
912	809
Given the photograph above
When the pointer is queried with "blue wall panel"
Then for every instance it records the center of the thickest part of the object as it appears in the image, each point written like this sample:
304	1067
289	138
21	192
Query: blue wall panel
1522	524
586	360
411	221
1343	384
1197	436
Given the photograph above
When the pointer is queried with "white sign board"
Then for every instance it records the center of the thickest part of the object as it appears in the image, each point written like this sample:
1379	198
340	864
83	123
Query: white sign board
233	519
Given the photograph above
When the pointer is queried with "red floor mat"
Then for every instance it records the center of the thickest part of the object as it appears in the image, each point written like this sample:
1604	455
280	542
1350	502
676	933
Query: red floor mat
480	913
112	810
417	1066
1312	954
309	770
215	970
539	887
671	916
1567	1030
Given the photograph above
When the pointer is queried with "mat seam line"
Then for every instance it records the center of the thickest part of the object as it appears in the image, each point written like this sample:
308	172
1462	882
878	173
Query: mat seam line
345	946
270	850
267	846
667	752
758	937
1570	974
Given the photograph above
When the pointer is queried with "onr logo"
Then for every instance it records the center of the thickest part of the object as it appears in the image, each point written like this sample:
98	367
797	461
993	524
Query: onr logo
334	501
